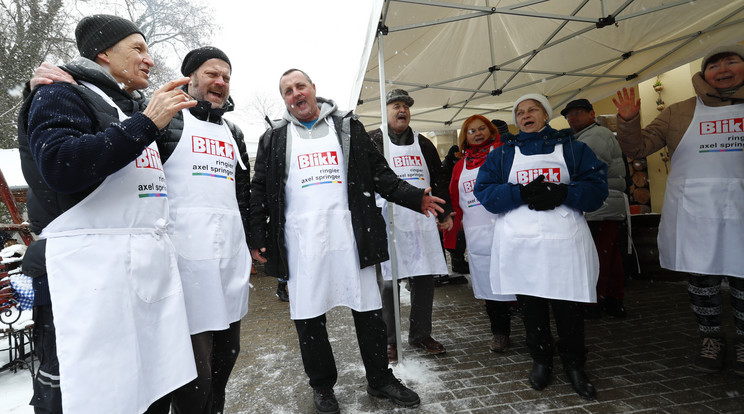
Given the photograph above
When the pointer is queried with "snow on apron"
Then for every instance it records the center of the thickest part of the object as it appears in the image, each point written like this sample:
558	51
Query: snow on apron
477	223
418	249
122	334
206	226
322	254
702	221
548	254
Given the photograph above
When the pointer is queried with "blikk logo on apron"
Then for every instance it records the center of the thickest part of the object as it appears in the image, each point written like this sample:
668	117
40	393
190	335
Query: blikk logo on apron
712	129
552	175
318	176
150	159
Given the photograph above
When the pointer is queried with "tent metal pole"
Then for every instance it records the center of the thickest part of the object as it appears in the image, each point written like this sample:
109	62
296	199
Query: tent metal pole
391	229
491	47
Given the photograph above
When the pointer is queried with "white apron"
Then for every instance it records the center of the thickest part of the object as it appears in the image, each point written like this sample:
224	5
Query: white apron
548	254
206	226
122	334
702	221
418	248
322	254
477	223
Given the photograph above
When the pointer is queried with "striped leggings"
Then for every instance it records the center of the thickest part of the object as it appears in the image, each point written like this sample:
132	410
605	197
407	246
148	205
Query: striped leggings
707	302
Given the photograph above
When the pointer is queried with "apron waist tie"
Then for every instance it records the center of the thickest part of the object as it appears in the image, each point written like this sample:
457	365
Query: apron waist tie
160	228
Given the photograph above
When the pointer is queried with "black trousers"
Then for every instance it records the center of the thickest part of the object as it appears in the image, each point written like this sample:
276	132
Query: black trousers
498	315
215	353
422	303
47	398
457	255
569	321
317	355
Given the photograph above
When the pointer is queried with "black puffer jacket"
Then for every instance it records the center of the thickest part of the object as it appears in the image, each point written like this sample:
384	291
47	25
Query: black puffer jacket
367	173
204	112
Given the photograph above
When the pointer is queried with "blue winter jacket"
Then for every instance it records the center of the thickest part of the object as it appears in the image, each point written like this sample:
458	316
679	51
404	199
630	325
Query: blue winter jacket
586	191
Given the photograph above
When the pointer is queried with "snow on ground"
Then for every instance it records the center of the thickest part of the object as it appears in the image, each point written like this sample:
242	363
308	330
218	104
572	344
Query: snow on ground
269	376
277	367
15	388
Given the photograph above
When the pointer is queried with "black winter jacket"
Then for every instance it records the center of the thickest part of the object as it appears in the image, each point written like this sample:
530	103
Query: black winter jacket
203	111
78	113
367	173
70	140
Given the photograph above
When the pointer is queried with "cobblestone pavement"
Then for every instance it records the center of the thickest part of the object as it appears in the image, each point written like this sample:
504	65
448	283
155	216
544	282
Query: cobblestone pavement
642	363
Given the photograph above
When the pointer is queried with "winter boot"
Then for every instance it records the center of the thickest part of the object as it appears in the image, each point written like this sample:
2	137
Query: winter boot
499	343
712	354
739	361
281	292
325	401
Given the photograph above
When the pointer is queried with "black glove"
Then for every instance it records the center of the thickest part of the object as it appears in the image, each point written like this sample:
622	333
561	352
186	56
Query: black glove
551	197
532	189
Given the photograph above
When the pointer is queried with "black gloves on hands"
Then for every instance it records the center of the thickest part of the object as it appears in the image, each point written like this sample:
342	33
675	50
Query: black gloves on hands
529	192
541	196
552	196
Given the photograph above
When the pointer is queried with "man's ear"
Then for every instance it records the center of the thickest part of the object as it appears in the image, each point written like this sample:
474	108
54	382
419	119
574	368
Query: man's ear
103	57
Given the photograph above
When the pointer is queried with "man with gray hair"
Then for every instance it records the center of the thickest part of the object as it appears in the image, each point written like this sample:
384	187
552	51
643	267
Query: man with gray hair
98	201
604	222
419	253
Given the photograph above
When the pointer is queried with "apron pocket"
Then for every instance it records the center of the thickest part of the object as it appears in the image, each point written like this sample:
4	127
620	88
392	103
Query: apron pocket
207	233
323	231
521	223
559	224
480	238
714	198
410	221
152	268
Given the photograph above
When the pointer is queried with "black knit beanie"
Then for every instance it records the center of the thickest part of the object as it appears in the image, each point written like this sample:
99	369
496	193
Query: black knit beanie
96	33
197	57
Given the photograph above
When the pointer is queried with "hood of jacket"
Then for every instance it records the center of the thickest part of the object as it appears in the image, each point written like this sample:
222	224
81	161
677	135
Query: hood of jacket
327	108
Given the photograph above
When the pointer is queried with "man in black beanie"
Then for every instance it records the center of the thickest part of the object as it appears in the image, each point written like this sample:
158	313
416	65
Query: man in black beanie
108	291
206	164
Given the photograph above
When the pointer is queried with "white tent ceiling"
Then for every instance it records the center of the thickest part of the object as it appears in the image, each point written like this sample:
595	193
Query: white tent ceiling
462	57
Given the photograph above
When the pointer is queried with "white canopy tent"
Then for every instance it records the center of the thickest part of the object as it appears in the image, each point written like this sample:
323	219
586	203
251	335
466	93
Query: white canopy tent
462	57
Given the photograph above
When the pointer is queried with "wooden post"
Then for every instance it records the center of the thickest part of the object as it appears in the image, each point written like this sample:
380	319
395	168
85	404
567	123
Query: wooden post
10	202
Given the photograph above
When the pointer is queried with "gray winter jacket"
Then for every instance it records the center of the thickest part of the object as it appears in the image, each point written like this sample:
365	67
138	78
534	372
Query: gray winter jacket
605	146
